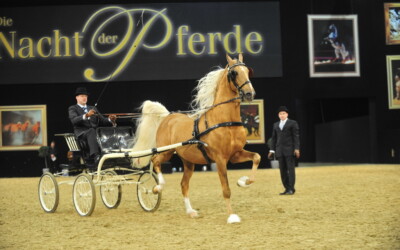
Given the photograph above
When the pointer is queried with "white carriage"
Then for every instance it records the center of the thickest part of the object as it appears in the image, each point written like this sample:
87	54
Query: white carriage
114	169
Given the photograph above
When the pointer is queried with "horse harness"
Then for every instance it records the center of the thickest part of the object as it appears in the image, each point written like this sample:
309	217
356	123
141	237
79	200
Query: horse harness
197	134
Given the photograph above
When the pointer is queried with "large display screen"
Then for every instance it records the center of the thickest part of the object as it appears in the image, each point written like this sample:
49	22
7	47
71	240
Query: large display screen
149	41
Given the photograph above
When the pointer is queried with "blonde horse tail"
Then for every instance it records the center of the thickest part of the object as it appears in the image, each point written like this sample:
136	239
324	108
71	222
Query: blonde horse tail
146	129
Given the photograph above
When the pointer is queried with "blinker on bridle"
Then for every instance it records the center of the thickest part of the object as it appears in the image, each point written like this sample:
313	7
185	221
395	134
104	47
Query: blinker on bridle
232	75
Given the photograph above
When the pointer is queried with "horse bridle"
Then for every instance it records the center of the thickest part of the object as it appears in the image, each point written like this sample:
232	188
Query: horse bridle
232	76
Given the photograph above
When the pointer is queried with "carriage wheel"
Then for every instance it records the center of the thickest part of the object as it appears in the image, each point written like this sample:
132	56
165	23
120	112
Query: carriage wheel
110	190
48	193
84	195
148	200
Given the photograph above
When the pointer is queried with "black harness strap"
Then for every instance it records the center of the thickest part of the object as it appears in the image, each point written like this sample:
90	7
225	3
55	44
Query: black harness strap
196	134
205	120
219	125
205	155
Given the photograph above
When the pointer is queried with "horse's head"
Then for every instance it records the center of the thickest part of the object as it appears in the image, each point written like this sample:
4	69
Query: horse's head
239	75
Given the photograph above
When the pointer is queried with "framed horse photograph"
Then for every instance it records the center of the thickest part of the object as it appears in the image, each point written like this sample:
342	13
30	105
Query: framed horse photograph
23	127
393	81
333	46
392	23
252	114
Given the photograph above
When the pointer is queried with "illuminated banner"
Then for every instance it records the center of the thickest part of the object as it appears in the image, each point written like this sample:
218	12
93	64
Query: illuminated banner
58	44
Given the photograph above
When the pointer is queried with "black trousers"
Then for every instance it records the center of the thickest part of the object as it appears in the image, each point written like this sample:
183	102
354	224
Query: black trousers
52	165
90	137
287	168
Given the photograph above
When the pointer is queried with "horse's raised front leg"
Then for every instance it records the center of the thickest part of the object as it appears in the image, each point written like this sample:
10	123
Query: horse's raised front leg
243	156
226	191
156	161
188	169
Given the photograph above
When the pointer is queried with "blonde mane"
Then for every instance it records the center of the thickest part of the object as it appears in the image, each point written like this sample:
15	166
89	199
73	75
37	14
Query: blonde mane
206	89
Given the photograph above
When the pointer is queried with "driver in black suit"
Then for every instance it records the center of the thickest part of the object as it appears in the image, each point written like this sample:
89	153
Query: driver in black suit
85	120
285	144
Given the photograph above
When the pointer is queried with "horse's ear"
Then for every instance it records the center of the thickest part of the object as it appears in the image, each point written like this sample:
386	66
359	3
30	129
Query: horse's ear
240	57
229	59
251	72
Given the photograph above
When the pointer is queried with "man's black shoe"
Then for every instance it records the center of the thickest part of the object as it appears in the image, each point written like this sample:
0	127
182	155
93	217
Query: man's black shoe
287	192
290	192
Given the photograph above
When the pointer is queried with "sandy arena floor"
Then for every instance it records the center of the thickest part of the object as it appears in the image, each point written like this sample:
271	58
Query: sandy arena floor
338	207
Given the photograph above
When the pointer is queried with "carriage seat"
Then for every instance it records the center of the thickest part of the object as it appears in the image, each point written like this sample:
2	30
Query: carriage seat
78	148
113	139
71	141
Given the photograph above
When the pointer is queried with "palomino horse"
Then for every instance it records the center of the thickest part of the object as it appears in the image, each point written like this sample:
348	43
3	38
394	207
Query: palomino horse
216	111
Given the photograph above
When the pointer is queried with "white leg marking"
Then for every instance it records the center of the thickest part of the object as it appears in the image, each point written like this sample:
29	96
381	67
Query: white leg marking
158	188
189	210
161	179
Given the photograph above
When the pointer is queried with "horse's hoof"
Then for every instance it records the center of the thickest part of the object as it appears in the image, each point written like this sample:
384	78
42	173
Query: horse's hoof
157	189
243	181
233	218
249	182
193	214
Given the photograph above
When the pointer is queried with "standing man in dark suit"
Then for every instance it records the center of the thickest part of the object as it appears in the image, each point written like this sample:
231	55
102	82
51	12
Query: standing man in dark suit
53	157
85	120
285	144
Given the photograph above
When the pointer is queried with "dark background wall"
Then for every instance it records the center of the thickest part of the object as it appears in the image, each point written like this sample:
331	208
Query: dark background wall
326	108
